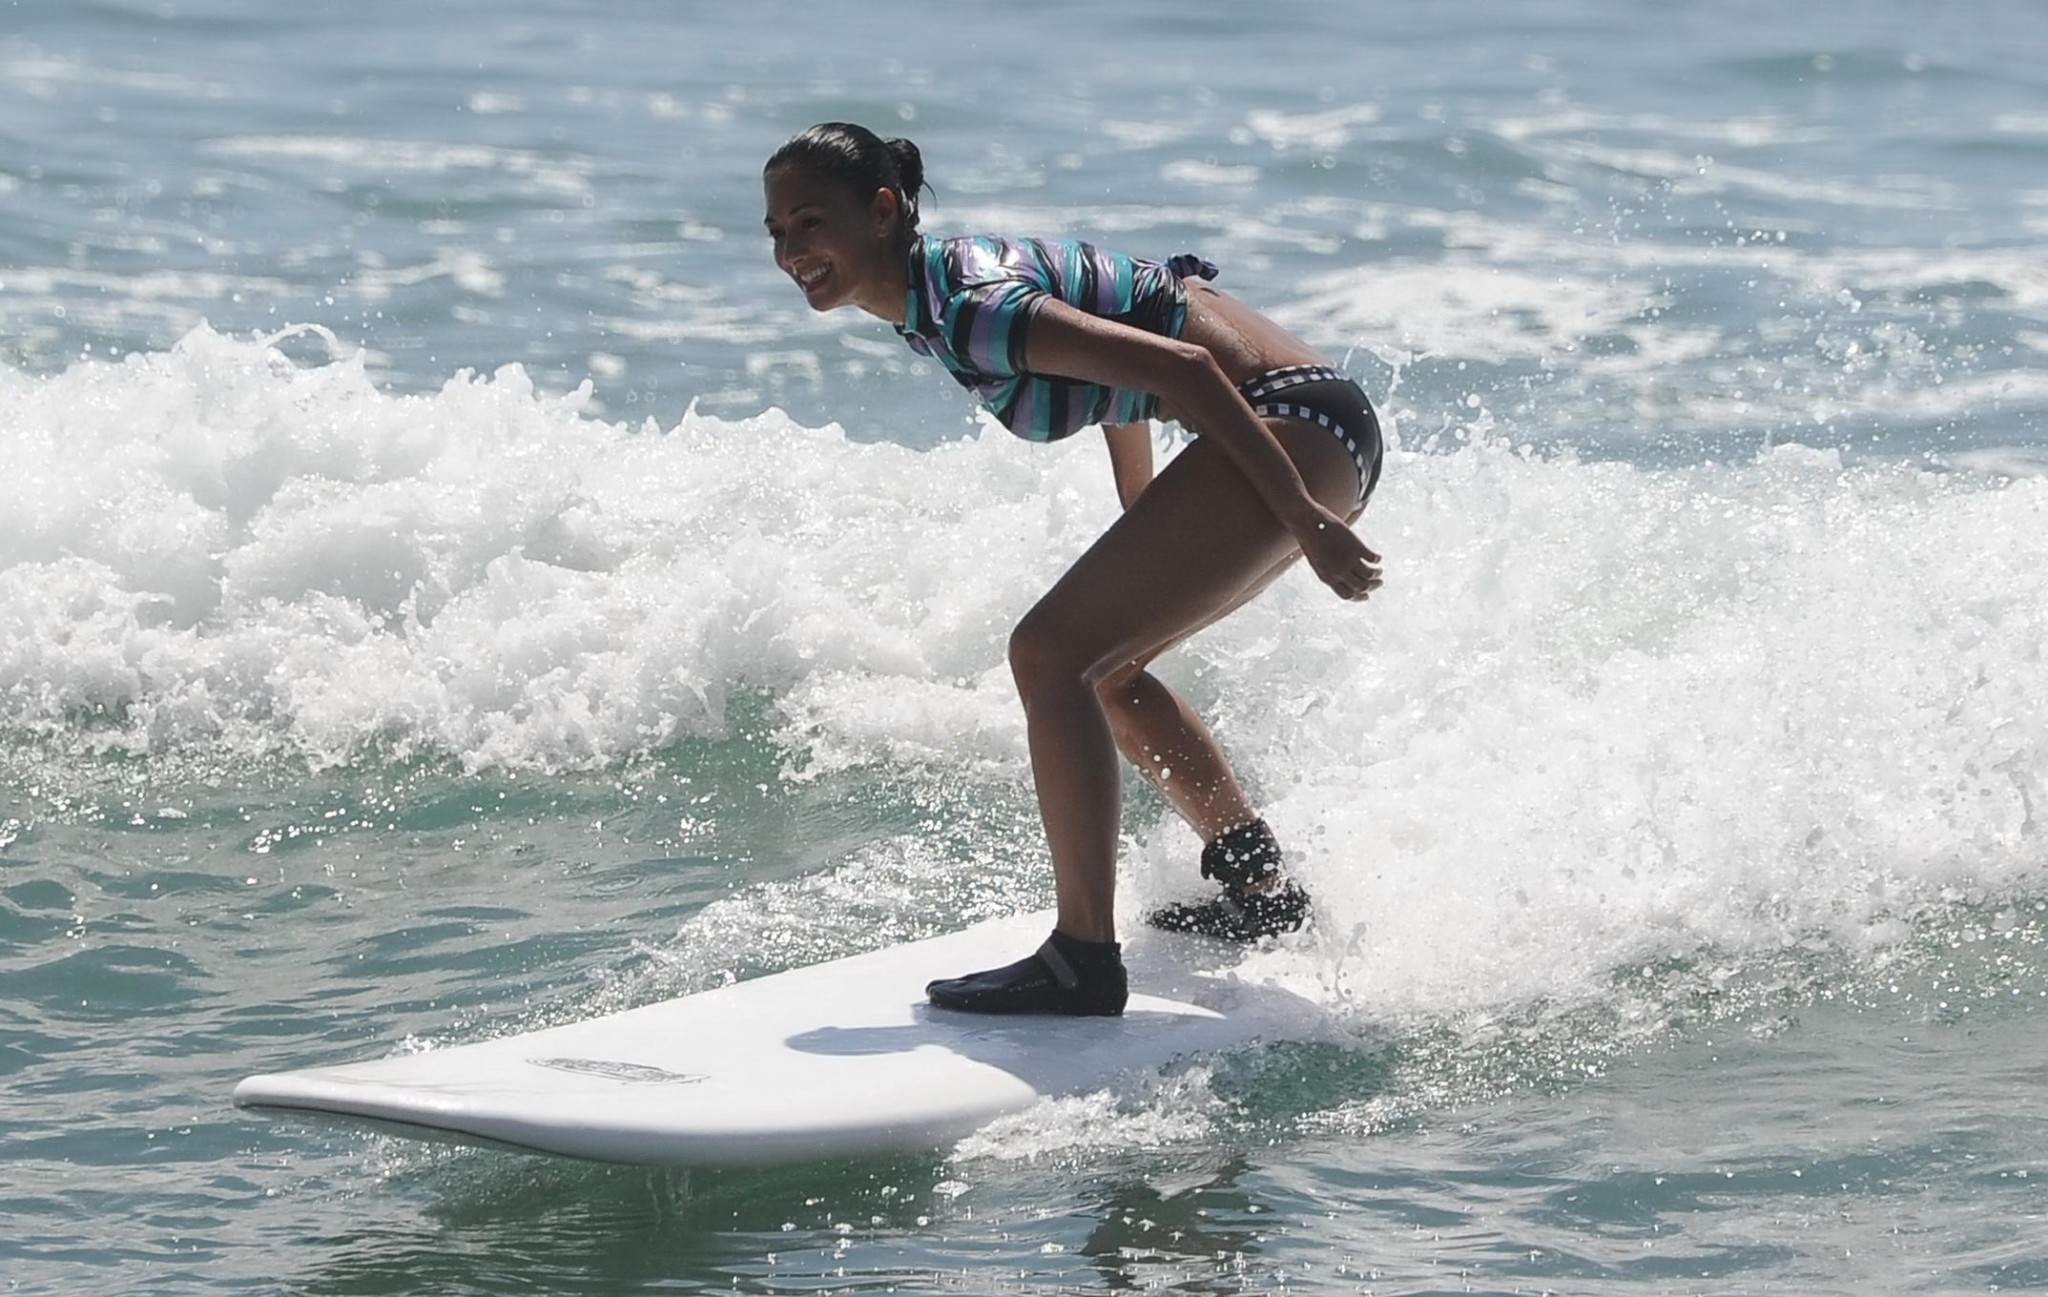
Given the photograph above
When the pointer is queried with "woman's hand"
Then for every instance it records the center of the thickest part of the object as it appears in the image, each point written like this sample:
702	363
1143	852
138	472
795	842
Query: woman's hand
1339	557
1067	341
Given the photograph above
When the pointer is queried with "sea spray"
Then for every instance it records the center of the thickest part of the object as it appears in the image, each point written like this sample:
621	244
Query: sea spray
1601	712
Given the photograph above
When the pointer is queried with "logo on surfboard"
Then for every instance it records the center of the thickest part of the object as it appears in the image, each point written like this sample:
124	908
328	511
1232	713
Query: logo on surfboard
631	1073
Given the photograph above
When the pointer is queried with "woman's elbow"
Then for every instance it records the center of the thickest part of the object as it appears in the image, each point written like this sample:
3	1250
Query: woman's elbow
1186	368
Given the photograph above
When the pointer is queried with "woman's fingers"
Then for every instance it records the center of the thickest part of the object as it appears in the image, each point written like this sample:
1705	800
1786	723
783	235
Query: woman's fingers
1345	563
1362	576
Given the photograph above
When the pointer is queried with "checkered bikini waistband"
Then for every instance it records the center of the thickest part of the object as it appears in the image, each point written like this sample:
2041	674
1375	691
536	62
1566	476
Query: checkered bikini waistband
1261	386
1261	390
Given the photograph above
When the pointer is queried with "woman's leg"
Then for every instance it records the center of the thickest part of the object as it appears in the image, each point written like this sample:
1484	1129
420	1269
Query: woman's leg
1193	546
1167	743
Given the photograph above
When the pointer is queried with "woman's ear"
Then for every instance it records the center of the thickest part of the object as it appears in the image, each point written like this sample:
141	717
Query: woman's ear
887	210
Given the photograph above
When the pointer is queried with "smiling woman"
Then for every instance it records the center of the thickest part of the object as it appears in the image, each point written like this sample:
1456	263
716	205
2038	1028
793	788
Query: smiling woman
844	204
1055	336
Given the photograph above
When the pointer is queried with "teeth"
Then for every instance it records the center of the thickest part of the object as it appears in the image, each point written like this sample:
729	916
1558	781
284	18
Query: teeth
810	279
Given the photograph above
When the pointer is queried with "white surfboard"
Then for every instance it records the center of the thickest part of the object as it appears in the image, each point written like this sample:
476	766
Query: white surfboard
840	1059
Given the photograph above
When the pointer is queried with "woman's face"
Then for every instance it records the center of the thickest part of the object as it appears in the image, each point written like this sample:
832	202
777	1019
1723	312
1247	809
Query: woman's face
837	248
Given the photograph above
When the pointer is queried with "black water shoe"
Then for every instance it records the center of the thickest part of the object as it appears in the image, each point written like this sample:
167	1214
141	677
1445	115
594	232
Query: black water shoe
1253	905
1236	914
1077	978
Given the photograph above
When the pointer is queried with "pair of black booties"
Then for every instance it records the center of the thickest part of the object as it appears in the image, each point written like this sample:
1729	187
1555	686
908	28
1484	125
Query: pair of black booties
1087	978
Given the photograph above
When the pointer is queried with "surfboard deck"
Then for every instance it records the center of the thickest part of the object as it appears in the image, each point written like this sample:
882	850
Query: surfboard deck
840	1059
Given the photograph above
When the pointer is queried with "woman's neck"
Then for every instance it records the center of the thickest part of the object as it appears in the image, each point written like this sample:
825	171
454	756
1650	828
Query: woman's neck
885	301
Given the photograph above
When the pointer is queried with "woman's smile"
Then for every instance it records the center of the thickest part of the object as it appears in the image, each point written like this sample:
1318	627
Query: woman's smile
810	279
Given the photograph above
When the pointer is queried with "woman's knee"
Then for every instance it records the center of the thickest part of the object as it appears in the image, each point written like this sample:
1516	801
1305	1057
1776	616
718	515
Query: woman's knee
1046	649
1121	686
1128	696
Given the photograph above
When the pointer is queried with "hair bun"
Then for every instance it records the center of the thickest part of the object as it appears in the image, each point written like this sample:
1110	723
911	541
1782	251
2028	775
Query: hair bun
909	165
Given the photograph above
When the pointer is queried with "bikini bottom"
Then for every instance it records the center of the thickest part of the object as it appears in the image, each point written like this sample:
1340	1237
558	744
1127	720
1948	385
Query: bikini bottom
1329	398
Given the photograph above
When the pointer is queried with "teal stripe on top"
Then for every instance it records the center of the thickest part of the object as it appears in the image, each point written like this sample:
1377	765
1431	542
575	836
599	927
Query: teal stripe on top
972	300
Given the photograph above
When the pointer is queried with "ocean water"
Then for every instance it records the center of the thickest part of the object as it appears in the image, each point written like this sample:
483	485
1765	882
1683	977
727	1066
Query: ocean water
451	584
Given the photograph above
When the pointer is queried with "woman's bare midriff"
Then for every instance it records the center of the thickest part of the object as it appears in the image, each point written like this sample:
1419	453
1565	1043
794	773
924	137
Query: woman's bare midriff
1244	342
1247	344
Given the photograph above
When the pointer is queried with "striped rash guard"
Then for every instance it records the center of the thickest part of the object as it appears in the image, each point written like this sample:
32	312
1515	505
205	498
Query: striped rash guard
972	301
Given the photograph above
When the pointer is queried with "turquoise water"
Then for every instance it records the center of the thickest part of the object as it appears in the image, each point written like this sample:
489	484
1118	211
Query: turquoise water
451	585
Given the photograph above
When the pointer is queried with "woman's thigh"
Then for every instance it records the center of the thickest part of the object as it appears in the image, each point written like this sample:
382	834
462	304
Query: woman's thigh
1195	544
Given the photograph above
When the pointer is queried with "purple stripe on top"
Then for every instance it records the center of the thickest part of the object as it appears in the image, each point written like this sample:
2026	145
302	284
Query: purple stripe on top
978	329
1106	294
1023	418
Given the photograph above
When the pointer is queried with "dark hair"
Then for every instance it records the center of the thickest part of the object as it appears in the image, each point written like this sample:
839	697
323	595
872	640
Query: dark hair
859	159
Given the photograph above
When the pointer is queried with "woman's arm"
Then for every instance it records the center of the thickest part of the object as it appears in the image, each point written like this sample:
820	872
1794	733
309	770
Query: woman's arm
1130	458
1073	344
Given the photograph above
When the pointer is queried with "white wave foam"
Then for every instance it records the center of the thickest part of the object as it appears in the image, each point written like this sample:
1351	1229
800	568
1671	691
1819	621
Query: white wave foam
1466	308
218	544
1328	129
1700	174
1748	132
1177	1108
39	73
1598	712
2010	461
1192	171
562	176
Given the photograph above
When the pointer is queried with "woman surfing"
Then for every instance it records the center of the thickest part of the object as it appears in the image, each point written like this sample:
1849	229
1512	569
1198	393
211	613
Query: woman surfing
1054	336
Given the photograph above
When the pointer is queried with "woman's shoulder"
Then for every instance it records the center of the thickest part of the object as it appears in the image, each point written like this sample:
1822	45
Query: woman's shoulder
998	240
988	250
972	260
998	250
963	263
